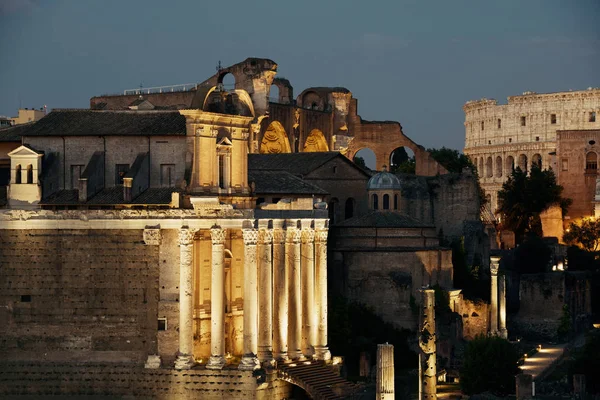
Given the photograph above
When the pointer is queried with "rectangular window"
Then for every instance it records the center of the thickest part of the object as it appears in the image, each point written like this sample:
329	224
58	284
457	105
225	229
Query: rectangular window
592	116
523	121
167	175
76	171
565	164
482	125
499	123
553	119
509	140
222	171
537	138
162	324
120	172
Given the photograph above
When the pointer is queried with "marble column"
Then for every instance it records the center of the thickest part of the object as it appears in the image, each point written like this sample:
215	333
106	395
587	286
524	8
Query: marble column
185	357
250	345
280	293
385	372
494	265
502	306
321	349
427	344
217	304
308	291
265	293
292	269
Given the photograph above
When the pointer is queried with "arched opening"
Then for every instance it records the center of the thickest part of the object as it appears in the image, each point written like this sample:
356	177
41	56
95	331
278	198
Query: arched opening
333	204
274	94
498	167
488	168
349	209
386	201
29	174
375	202
315	142
523	162
395	202
18	173
480	167
227	81
402	159
536	160
510	164
591	162
312	101
275	140
366	159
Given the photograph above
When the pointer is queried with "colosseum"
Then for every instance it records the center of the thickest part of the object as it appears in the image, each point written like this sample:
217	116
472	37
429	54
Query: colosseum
526	131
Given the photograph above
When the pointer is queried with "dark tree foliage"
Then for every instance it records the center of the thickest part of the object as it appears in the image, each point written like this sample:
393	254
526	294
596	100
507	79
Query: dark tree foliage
587	362
523	198
408	166
586	234
489	365
532	256
354	328
361	163
467	277
399	156
582	260
452	160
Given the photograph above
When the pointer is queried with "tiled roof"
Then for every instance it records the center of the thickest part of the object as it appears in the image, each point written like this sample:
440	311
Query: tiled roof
110	196
294	163
14	133
107	123
384	219
281	182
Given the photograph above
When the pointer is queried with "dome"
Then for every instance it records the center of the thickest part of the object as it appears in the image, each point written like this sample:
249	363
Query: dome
384	180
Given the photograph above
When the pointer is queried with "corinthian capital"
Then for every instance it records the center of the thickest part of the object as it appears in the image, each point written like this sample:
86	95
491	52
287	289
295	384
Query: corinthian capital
292	235
265	236
321	235
494	265
278	236
308	235
217	235
186	236
250	236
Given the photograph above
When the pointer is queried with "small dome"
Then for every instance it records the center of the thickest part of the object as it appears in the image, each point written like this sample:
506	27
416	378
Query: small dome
383	180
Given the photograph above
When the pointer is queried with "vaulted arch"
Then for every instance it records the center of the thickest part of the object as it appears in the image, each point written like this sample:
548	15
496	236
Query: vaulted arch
315	142
275	140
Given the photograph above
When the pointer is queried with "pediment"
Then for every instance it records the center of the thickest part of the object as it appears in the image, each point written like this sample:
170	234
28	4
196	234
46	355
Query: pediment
224	142
23	151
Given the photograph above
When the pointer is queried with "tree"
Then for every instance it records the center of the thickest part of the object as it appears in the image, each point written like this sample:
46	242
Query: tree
452	160
361	163
408	166
586	234
489	364
523	198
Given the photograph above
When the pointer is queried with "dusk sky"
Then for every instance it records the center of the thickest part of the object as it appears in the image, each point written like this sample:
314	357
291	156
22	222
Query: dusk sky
416	62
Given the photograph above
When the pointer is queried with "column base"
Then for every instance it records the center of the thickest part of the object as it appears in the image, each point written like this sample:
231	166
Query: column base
265	356
322	353
281	357
309	352
152	362
215	362
249	363
503	333
296	355
184	361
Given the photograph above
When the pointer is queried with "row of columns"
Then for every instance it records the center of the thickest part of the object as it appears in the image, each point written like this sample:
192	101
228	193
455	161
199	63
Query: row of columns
285	295
497	300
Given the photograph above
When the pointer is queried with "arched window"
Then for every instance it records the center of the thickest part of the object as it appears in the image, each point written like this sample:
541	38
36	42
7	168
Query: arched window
498	167
395	202
523	162
29	174
349	211
488	168
386	201
591	162
18	173
537	161
375	202
510	164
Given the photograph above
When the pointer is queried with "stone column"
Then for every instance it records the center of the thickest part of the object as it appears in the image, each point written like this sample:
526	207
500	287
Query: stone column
185	358
308	292
502	303
249	359
292	270
217	306
427	343
385	372
321	349
494	265
280	293
265	292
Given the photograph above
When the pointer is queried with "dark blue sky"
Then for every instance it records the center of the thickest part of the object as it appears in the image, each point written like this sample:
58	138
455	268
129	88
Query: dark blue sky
412	61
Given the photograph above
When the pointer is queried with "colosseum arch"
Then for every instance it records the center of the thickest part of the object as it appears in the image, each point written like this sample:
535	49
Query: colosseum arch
523	162
315	142
275	140
489	171
536	160
498	171
509	164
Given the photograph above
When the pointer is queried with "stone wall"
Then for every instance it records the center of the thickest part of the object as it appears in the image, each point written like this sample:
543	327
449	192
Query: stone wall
78	295
475	318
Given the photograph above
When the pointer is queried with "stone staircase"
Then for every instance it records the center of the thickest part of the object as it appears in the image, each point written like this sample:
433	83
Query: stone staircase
317	379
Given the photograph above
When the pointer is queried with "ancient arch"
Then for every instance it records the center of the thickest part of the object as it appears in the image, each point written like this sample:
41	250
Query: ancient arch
498	167
401	155
523	162
536	160
18	173
480	167
227	80
369	157
275	140
488	168
509	164
591	162
315	142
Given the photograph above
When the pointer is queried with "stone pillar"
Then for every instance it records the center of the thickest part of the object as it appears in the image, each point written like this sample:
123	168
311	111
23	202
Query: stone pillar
524	386
185	357
249	359
292	270
217	306
280	293
494	265
502	332
321	349
308	292
265	300
427	343
385	372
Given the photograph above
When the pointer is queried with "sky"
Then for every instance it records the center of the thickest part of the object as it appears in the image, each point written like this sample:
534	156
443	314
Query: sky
416	62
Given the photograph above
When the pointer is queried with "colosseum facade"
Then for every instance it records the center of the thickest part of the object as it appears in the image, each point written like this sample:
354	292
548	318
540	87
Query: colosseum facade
500	137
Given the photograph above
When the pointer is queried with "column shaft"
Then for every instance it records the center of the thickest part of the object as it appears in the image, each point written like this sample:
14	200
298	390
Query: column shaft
427	343
185	358
494	265
308	292
321	349
217	306
280	296
250	345
502	303
292	249
385	372
265	291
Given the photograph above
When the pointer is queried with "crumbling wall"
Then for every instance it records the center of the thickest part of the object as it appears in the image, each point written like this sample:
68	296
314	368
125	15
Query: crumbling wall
474	317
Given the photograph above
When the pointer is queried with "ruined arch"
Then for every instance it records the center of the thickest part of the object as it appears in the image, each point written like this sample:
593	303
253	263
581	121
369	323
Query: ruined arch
315	142
402	159
227	80
498	167
369	157
275	140
312	101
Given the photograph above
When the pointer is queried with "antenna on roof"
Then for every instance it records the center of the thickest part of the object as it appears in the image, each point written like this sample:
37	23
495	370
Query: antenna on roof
219	68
